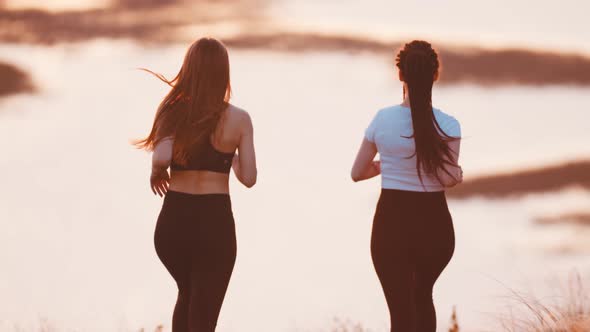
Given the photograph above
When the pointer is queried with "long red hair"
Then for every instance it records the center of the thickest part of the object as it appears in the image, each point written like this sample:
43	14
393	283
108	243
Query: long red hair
199	95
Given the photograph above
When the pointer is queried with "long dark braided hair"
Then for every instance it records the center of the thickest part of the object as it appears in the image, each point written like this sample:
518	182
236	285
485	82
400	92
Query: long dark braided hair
419	68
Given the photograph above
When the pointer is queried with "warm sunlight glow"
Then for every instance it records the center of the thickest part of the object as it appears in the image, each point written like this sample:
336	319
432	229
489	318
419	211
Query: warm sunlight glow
56	5
421	165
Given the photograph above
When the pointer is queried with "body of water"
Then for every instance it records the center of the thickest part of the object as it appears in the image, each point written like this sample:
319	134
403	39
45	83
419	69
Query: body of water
78	216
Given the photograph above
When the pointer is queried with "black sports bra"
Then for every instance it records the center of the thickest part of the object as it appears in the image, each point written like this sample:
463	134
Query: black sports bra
209	159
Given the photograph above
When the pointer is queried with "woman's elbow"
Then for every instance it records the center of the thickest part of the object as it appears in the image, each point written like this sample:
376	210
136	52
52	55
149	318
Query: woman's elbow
249	184
355	176
249	181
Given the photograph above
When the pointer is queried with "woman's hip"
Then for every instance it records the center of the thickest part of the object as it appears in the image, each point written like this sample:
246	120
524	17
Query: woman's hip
407	219
195	220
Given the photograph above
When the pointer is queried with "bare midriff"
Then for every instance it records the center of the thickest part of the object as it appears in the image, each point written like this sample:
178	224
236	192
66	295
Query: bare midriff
199	182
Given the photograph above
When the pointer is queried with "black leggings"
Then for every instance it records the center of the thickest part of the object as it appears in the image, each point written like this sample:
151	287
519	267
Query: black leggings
195	239
411	243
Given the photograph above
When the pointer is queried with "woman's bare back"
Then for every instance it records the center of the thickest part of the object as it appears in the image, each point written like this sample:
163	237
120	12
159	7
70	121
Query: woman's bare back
234	132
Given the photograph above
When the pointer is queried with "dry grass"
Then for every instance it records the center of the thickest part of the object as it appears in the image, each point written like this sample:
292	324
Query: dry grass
347	326
454	321
159	328
569	312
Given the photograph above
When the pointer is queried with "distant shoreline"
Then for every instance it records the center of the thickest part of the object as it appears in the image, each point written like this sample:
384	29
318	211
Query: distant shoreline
169	24
14	80
518	183
573	218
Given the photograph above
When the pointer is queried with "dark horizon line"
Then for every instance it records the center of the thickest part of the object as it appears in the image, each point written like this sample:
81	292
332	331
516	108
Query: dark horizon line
466	64
14	80
161	25
547	178
154	6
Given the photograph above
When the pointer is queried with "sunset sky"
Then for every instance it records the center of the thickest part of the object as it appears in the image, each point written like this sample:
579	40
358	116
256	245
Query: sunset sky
56	4
558	25
538	24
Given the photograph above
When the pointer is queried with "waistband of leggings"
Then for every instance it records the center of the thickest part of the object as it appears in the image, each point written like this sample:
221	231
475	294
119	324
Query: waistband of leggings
189	196
410	193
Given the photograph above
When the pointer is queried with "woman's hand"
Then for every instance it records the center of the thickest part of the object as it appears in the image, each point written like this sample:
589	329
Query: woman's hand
377	166
454	178
456	172
244	163
160	181
364	166
161	159
235	164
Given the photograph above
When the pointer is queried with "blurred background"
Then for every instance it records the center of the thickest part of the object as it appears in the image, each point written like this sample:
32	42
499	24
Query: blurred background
77	214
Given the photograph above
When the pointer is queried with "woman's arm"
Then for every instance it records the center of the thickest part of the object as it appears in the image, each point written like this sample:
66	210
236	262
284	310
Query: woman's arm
455	170
161	159
244	163
364	166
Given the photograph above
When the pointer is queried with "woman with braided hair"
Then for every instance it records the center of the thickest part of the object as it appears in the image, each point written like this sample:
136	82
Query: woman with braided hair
412	238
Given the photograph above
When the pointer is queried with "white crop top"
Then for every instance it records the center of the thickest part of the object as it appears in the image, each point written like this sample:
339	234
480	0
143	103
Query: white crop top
397	170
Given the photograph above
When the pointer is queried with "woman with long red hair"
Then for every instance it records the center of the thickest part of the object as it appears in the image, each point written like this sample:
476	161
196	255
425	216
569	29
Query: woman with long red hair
412	238
196	133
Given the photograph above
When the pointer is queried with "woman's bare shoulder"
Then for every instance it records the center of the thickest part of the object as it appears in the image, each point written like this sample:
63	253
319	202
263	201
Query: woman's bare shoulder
238	114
